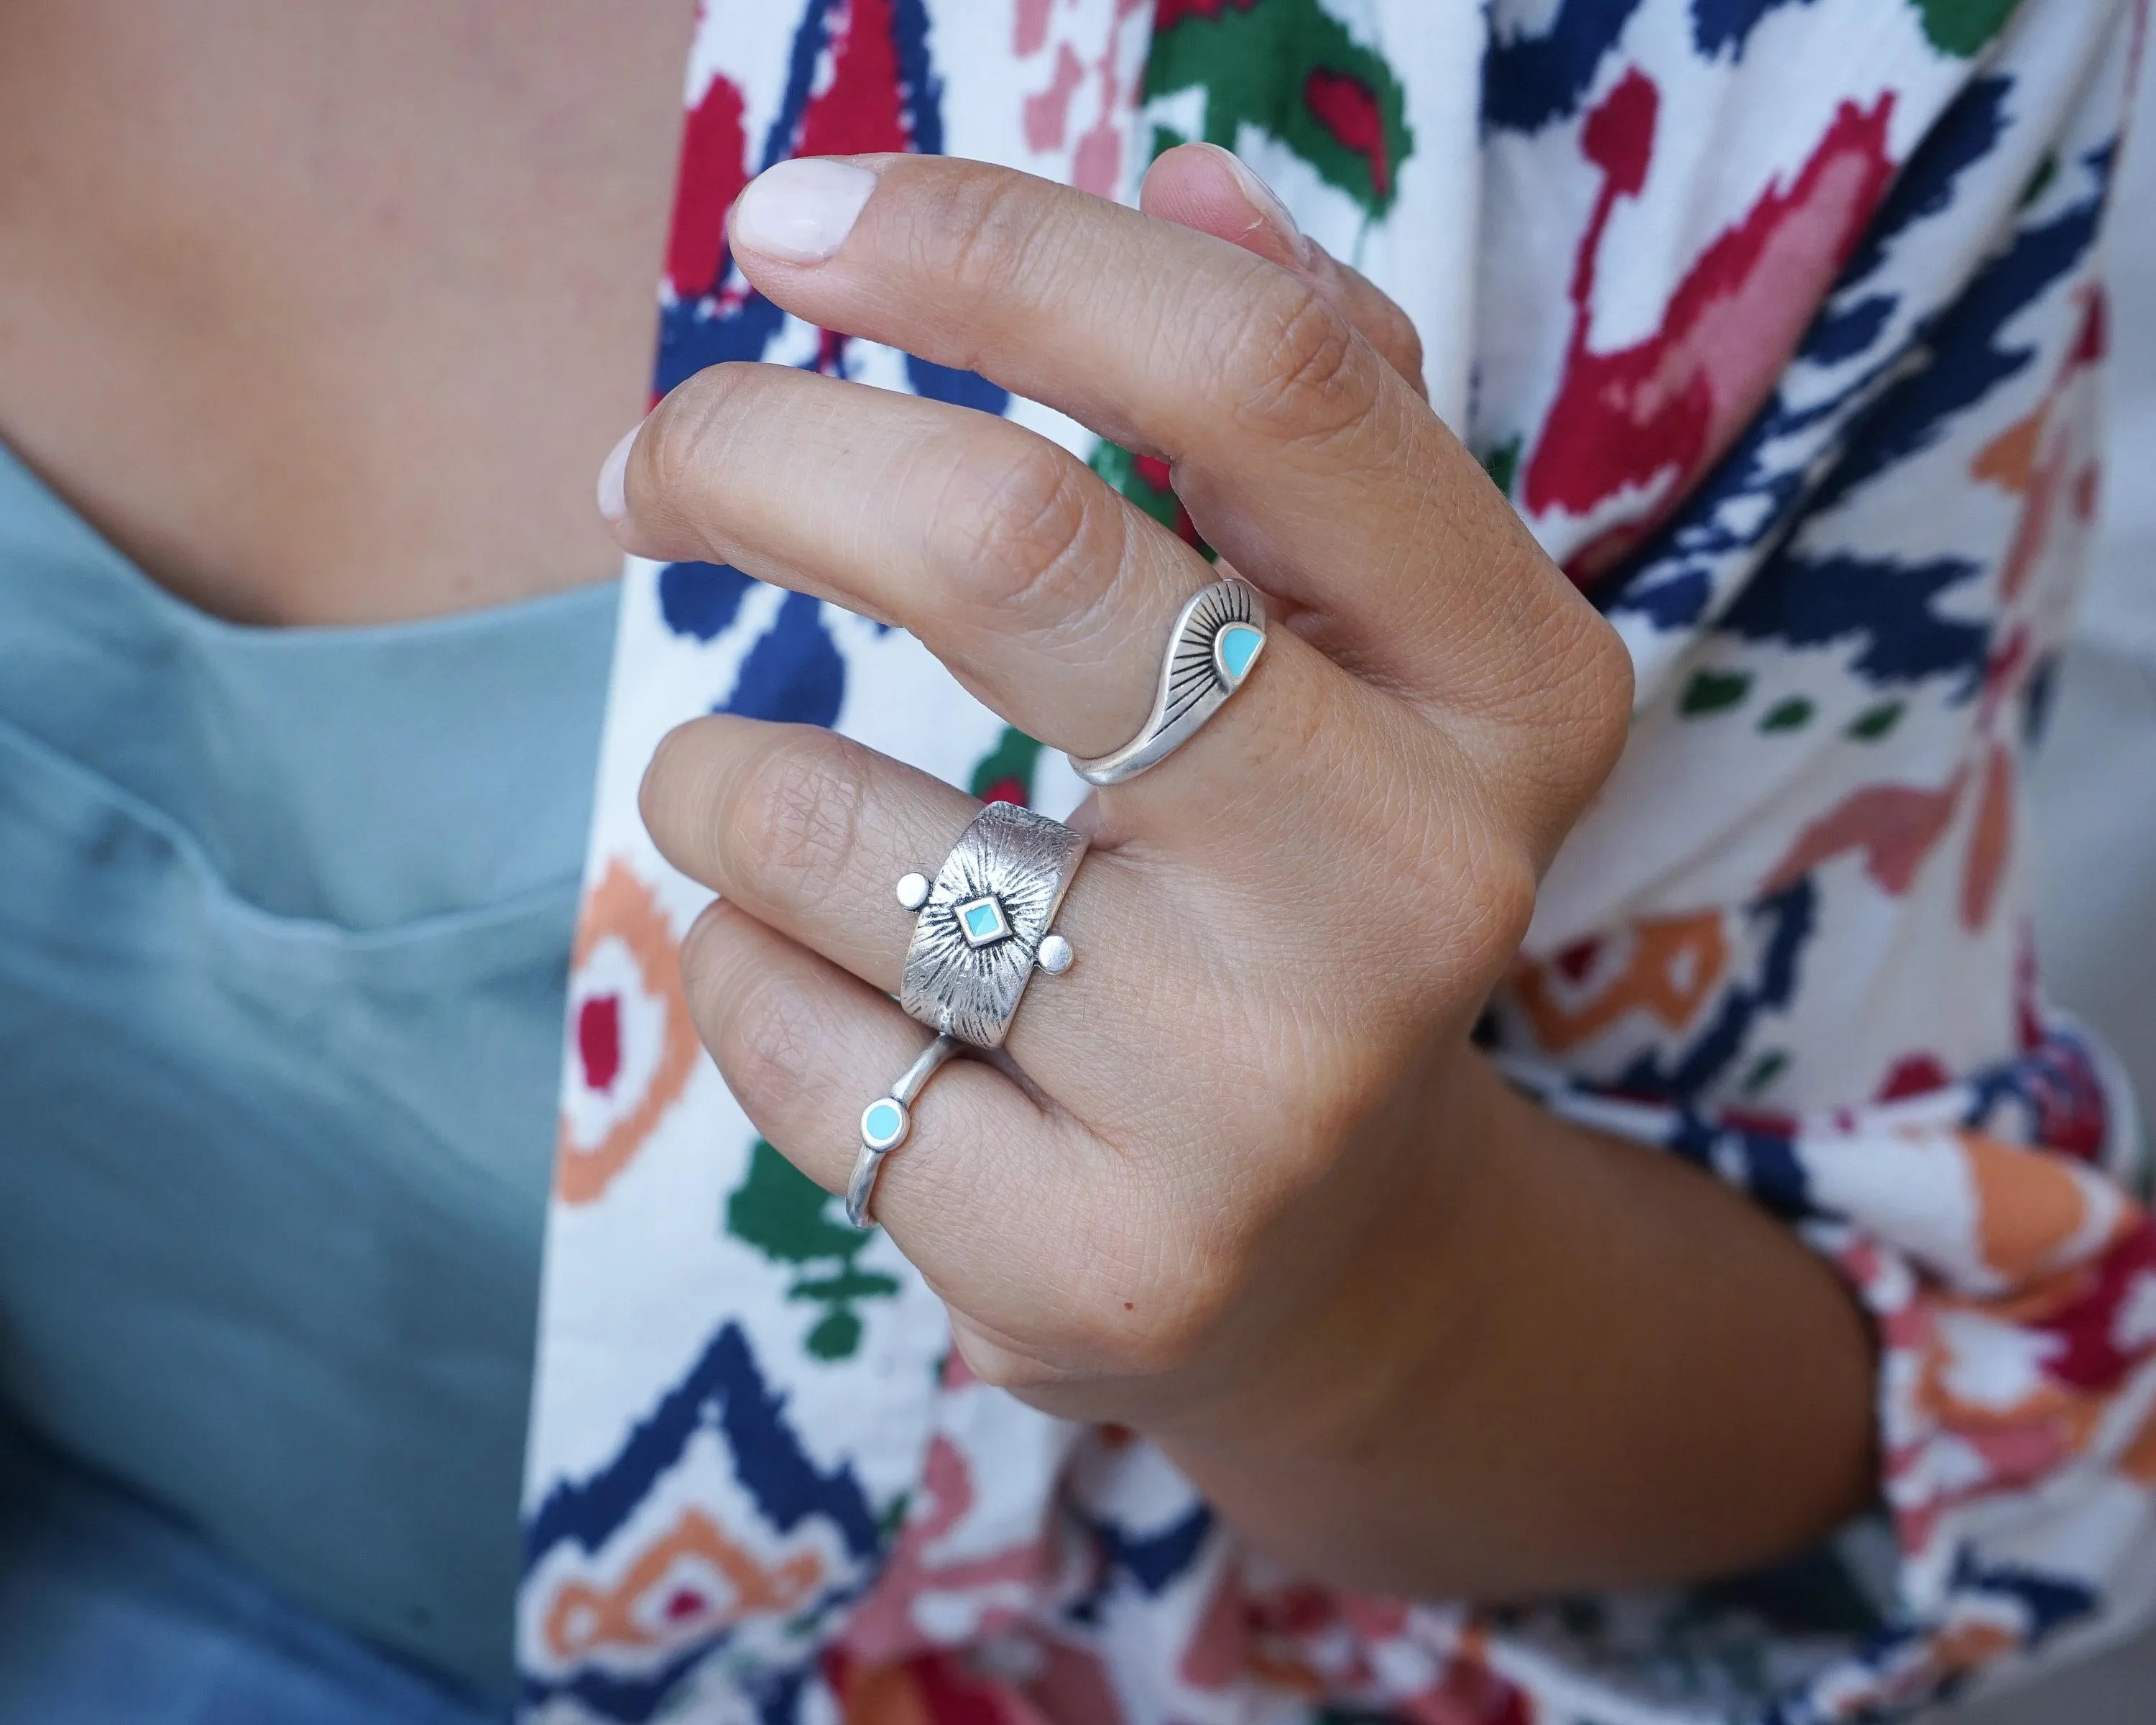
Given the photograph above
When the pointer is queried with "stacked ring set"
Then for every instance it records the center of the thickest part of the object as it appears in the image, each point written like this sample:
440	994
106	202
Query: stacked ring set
983	923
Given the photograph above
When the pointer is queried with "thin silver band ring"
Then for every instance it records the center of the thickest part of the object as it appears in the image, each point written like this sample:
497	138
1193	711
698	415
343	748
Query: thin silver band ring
887	1122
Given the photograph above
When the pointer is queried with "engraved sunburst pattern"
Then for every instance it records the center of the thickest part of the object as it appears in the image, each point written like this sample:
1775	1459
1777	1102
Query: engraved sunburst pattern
1216	641
968	984
1196	665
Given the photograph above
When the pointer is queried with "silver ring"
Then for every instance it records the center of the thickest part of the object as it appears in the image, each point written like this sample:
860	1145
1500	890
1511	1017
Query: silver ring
885	1123
984	922
1213	646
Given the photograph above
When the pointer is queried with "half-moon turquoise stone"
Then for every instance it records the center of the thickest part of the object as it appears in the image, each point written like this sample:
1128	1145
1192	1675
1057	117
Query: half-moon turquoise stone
883	1124
1234	648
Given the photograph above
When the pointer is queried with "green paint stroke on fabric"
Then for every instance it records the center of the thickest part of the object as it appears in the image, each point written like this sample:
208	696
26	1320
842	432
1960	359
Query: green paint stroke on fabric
1290	69
1146	481
1502	464
1875	722
1963	27
789	1218
1712	691
1005	772
1791	715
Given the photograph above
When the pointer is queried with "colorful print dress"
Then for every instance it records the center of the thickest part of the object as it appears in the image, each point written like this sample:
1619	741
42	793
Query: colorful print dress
1779	321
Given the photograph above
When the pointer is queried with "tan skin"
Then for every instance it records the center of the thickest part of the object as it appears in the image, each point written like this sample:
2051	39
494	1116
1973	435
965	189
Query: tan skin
327	314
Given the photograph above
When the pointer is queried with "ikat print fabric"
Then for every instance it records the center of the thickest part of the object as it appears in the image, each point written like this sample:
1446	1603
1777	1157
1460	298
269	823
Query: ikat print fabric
1779	322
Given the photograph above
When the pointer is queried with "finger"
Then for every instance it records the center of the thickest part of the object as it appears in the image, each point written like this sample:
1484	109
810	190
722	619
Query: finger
1304	457
805	1048
1205	188
1040	588
809	833
1048	595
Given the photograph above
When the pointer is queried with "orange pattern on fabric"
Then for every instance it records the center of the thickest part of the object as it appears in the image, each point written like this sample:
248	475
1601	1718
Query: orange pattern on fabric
622	907
1673	967
583	1617
2030	1207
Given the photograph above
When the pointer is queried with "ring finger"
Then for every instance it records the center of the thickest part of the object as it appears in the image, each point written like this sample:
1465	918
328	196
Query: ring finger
809	832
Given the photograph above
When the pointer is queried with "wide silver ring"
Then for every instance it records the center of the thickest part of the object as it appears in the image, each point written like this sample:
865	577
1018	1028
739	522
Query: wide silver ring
985	922
887	1122
1213	647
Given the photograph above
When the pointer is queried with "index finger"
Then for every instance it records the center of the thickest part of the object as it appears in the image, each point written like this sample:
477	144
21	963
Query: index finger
1304	457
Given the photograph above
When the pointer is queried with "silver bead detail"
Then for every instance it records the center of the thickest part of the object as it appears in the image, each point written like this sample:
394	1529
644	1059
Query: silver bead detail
912	891
1055	955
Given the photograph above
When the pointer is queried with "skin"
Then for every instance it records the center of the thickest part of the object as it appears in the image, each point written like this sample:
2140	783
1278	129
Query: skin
1249	1189
326	314
1409	1331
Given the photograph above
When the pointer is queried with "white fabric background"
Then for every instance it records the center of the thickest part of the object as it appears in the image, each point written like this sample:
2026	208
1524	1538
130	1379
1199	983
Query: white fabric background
2093	814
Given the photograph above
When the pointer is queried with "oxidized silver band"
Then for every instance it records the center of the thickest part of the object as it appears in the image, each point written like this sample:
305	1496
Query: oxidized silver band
885	1123
1214	645
984	922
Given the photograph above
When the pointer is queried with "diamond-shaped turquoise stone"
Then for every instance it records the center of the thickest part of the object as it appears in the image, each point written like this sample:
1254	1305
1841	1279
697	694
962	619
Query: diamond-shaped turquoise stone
1233	648
982	923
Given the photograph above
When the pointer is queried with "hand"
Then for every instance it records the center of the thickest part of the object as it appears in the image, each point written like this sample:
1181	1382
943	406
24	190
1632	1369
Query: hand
1248	1194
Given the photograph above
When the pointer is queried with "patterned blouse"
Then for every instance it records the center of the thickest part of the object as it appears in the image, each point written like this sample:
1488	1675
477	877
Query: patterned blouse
1779	321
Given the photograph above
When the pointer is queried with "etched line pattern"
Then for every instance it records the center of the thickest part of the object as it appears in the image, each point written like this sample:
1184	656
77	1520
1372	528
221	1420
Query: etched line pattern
971	992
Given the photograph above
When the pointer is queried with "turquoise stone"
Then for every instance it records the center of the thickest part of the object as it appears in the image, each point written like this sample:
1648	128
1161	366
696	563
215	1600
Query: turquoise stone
982	923
1234	648
884	1123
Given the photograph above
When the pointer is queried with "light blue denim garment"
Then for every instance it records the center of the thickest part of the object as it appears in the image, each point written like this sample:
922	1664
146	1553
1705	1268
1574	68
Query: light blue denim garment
284	921
113	1614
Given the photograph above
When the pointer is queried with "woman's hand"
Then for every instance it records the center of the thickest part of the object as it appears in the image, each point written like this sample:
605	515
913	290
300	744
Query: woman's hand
1254	1192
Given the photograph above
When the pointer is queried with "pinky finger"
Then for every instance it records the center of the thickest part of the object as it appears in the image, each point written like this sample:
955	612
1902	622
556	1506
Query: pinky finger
980	1195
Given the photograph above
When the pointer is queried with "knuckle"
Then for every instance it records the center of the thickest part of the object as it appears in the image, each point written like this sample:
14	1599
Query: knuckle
1294	369
793	817
765	1035
976	228
674	447
1031	538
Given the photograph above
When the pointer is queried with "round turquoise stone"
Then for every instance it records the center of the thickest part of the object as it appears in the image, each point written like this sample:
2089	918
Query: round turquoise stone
883	1124
1233	648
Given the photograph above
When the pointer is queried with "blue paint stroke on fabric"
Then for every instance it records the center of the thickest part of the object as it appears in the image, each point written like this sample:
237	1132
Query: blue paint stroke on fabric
2051	1602
1155	1561
1884	604
919	87
793	672
1716	24
1527	81
702	600
1961	355
724	1387
962	389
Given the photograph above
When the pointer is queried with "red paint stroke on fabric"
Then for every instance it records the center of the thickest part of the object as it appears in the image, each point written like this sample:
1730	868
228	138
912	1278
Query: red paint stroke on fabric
860	111
1894	826
1347	107
1652	417
1048	112
714	168
1914	1074
598	1041
1171	12
1990	842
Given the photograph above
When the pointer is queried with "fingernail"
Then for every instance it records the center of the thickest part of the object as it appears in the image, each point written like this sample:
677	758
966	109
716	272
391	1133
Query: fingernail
801	212
1262	197
613	475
